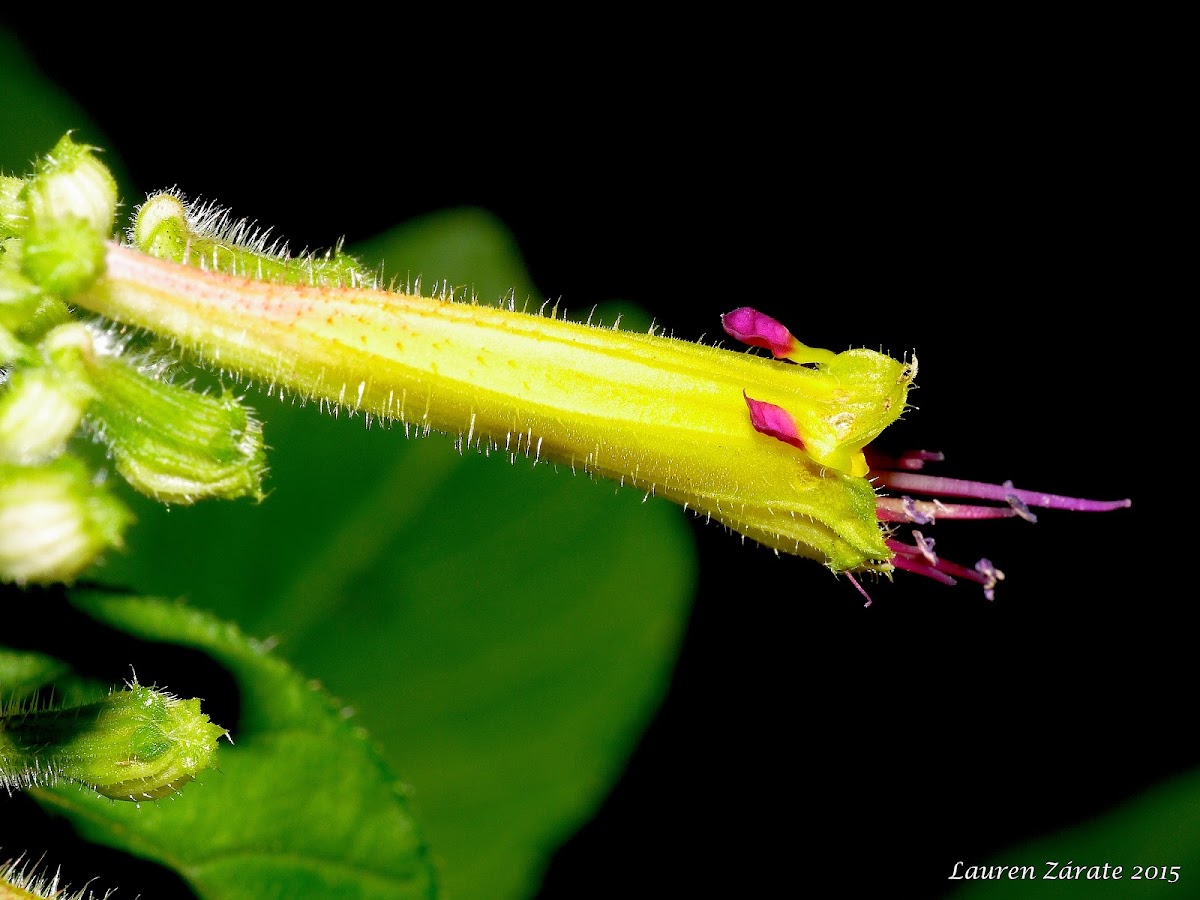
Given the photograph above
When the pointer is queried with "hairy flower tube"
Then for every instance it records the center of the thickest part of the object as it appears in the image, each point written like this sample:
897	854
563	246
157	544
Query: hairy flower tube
773	448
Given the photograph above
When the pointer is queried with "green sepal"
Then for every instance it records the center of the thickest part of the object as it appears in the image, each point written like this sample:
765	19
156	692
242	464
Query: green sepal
136	744
172	443
20	298
62	256
165	227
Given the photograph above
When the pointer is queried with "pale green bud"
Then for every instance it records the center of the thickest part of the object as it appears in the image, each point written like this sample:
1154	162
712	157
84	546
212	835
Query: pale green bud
160	227
70	182
70	208
136	744
42	405
40	409
55	521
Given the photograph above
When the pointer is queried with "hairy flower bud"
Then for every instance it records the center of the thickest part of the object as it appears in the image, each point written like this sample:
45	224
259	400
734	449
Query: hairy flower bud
136	744
55	521
71	183
39	411
70	208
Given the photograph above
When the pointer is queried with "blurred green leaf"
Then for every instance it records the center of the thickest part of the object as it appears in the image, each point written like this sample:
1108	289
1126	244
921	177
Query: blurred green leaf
24	672
1151	833
504	630
302	805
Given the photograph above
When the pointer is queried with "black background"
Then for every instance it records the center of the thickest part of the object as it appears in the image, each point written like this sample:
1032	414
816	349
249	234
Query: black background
979	204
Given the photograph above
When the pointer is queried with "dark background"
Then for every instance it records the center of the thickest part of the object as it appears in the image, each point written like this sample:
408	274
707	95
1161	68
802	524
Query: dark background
981	205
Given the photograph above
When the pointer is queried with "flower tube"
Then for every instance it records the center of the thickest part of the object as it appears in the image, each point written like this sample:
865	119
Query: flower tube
772	448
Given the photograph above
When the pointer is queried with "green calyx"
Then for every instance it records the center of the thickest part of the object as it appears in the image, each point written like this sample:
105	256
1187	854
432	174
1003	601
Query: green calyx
174	444
63	256
136	744
209	238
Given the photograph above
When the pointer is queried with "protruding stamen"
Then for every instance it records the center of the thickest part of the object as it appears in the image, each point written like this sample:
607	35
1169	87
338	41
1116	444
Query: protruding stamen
917	567
774	421
955	487
926	512
759	330
915	559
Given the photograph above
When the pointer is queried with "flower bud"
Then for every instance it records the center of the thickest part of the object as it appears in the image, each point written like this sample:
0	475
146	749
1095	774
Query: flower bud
71	183
55	521
160	227
174	444
40	409
70	206
136	744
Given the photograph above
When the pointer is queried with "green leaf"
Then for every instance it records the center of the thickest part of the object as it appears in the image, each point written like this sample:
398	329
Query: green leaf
302	806
1159	829
506	631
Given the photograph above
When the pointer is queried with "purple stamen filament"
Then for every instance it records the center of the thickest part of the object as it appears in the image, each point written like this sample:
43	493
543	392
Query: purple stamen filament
919	558
910	558
895	509
956	487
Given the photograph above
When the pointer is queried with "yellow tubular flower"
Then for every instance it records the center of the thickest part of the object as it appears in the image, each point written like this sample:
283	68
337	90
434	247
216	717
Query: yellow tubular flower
663	415
772	448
